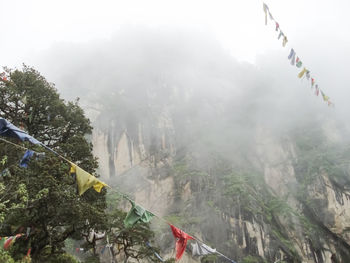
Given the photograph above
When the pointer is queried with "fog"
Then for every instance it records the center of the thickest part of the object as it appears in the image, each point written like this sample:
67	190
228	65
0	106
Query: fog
213	99
139	59
209	75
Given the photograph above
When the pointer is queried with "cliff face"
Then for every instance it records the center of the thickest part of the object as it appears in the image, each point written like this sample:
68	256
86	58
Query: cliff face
281	213
239	155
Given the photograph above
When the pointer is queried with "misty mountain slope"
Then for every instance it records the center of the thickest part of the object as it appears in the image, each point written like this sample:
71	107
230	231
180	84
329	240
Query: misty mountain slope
242	156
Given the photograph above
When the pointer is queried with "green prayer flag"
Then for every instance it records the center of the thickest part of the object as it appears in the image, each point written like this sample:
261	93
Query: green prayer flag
2	242
137	214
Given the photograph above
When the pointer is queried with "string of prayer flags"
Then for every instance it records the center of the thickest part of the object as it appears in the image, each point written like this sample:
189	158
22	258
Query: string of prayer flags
85	180
267	11
199	249
137	214
294	60
9	130
180	241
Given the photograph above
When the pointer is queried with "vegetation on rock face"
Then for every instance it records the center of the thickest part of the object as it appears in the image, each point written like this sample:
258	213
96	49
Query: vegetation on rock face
244	195
320	159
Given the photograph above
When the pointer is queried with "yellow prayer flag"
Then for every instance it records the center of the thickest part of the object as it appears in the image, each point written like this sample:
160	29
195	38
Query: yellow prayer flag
72	169
98	186
85	180
301	74
285	40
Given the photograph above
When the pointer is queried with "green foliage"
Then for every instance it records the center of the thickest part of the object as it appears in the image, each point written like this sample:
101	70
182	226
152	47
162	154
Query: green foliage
43	196
5	257
175	219
128	241
251	259
60	258
209	259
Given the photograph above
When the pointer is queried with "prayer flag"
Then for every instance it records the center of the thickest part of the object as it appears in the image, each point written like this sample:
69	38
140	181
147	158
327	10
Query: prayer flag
312	82
280	34
292	52
180	241
307	74
292	57
266	8
9	130
285	40
299	64
10	240
277	26
137	214
85	180
325	98
2	241
317	90
301	74
28	231
26	158
201	249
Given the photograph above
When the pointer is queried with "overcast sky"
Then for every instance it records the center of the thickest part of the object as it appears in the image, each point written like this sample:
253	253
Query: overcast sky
317	29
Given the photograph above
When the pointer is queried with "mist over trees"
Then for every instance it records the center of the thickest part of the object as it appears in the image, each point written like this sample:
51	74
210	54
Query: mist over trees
223	122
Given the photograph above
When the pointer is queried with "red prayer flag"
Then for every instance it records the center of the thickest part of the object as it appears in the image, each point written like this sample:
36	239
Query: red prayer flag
8	242
312	81
180	241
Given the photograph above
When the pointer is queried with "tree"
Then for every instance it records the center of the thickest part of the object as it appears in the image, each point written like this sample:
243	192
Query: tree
50	205
130	242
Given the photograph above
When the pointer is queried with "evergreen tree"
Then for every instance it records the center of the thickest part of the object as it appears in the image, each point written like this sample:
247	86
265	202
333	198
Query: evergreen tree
43	196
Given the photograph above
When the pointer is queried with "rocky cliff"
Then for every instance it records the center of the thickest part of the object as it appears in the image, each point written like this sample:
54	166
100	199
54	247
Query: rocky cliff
242	157
276	198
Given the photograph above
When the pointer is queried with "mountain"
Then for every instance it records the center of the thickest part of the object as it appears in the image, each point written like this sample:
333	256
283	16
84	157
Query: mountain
241	156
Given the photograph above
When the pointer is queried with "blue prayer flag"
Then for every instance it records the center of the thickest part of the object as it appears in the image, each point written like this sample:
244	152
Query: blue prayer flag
26	158
9	130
